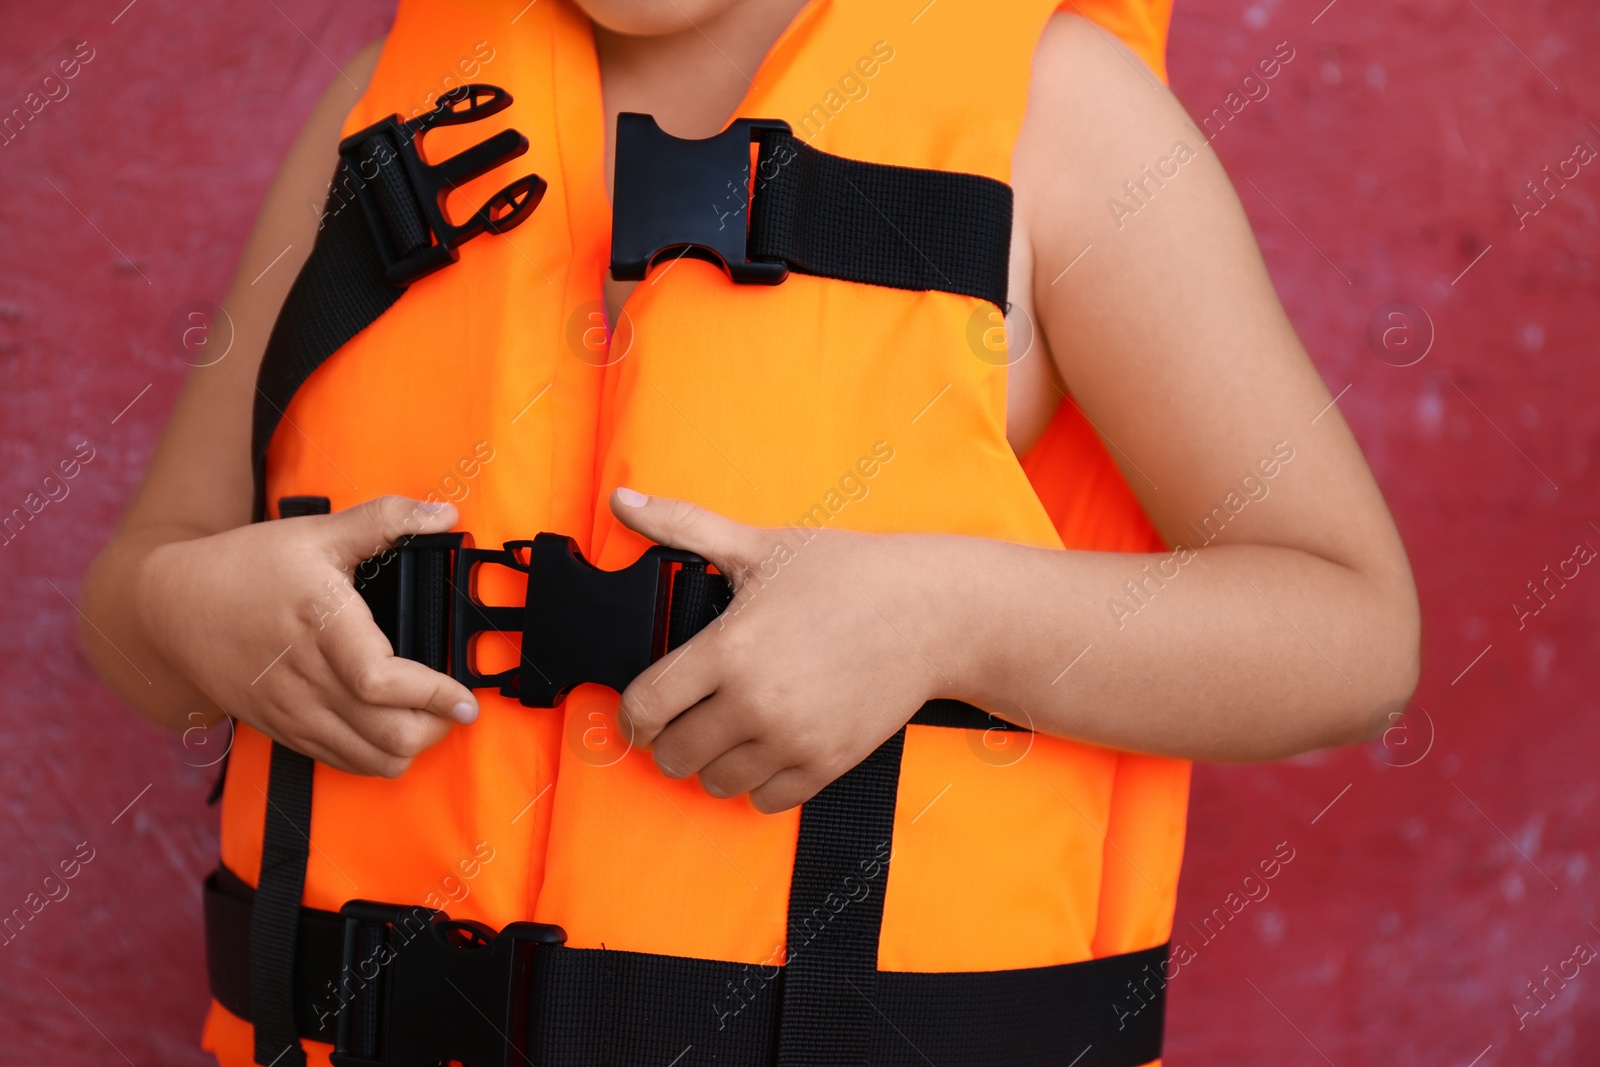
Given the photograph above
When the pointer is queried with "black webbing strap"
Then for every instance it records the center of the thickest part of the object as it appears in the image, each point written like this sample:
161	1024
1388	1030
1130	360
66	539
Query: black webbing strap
596	1006
698	596
409	594
383	227
901	227
340	291
841	866
285	847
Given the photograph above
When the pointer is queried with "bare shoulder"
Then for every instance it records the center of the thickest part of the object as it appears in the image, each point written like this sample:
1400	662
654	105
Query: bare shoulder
1158	313
1096	117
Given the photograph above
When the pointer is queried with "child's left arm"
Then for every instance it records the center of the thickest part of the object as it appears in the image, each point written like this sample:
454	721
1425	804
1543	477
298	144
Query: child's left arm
1288	631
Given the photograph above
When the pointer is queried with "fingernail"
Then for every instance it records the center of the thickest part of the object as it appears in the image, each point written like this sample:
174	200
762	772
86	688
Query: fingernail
631	497
714	791
437	506
465	713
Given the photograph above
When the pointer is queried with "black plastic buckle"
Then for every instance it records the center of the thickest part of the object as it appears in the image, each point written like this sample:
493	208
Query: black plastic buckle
371	156
425	989
398	586
671	194
582	623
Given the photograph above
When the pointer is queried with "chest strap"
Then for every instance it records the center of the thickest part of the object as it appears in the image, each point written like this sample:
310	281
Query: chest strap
384	226
803	210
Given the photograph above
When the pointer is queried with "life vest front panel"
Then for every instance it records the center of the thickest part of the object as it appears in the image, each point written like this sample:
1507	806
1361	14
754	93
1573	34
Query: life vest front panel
771	405
466	390
761	403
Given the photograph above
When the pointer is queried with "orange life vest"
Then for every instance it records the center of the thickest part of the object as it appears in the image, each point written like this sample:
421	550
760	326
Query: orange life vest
814	402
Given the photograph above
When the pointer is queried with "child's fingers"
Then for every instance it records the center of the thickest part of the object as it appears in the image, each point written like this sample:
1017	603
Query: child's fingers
668	687
364	531
740	770
789	788
732	547
368	668
705	734
326	737
403	732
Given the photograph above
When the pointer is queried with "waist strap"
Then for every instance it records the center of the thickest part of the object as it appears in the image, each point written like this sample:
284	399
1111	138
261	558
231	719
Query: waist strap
592	1006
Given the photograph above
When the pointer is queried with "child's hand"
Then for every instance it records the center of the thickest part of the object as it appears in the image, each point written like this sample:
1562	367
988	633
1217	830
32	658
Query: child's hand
265	620
823	654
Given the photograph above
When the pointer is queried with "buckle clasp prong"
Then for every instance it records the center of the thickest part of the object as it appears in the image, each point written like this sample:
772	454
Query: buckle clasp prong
390	143
588	624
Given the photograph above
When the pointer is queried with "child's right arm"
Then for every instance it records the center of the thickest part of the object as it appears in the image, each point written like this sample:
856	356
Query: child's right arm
191	605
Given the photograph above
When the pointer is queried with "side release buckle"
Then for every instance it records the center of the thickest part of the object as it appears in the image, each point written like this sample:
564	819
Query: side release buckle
421	989
671	194
403	195
578	624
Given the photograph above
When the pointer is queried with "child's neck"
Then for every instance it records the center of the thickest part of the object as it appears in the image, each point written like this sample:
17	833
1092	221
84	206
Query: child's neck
691	79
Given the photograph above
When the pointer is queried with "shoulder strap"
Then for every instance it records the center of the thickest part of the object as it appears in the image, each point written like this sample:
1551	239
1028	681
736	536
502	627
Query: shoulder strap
383	227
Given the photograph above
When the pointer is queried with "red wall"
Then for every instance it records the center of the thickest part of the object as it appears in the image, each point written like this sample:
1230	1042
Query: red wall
1452	866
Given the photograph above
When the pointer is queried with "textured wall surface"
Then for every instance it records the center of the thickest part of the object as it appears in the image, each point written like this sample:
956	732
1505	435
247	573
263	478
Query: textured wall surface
1433	876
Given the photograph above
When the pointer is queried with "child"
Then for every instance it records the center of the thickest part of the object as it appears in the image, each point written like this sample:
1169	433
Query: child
815	815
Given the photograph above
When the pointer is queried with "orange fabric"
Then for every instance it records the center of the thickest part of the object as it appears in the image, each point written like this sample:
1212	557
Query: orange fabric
1140	24
472	359
839	404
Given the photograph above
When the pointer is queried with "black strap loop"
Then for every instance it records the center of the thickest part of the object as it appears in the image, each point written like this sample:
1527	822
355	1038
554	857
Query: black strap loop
698	597
401	211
